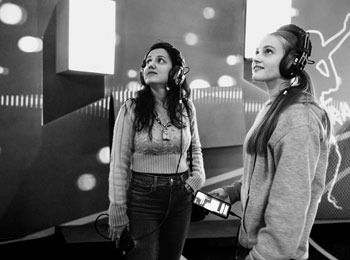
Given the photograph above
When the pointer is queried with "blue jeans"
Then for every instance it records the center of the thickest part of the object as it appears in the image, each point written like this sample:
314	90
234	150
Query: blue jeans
159	210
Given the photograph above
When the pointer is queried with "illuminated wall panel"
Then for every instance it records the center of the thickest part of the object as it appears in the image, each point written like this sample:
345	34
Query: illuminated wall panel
85	36
263	17
64	93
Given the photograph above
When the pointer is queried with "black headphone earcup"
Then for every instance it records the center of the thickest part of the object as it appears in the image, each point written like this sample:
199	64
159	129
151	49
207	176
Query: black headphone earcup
142	80
176	75
288	68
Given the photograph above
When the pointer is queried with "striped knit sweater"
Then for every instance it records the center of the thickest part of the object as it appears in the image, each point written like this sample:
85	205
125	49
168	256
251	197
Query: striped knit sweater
135	151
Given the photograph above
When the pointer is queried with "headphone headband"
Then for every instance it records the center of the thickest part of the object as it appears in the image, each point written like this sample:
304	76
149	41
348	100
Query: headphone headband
296	59
305	52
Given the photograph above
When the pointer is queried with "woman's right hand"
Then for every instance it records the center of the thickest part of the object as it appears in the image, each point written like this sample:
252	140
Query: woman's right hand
115	233
219	193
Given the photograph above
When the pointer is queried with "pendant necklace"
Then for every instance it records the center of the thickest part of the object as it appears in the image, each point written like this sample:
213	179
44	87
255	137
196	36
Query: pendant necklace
165	130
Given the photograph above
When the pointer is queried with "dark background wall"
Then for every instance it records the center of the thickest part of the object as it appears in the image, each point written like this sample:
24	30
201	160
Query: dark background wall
51	173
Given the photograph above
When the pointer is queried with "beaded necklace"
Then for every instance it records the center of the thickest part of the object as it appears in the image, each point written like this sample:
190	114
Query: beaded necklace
165	130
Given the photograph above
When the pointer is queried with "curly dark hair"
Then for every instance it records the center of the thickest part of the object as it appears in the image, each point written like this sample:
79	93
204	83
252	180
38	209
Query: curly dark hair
145	100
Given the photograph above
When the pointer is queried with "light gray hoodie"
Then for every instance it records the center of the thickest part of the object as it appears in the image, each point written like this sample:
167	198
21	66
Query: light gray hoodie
280	192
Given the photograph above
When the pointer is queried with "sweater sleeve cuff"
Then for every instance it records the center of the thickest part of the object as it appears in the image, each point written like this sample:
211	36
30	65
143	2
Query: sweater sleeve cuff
196	182
117	215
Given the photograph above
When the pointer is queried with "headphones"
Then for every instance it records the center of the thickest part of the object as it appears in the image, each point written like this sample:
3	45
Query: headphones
177	74
294	61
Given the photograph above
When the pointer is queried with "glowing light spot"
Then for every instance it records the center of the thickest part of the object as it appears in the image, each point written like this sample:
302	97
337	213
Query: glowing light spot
199	83
117	39
208	13
133	86
226	81
86	182
4	71
30	44
234	59
191	39
132	73
294	12
12	14
103	155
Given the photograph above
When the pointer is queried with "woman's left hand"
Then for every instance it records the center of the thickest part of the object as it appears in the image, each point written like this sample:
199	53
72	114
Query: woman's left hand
116	232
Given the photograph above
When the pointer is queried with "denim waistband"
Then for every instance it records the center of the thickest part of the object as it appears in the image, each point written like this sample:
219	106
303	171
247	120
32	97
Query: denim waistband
162	178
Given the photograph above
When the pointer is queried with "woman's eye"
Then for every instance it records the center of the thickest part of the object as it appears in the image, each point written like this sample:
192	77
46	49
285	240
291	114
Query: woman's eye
268	51
157	60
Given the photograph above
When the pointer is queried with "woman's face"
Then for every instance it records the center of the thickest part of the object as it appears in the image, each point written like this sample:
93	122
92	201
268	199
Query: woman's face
268	55
158	65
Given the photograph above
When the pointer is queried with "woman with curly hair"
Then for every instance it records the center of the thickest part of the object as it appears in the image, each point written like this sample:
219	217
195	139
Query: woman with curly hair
150	185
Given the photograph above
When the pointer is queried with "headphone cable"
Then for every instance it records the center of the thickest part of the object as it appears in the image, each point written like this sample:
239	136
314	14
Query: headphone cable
168	209
137	238
177	169
96	228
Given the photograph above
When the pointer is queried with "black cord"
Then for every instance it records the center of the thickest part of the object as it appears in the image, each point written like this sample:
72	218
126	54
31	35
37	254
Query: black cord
168	209
137	238
234	214
96	228
177	169
181	136
237	234
236	243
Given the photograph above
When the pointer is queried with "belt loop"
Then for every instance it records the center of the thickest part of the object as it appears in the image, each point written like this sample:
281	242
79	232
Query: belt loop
183	177
155	181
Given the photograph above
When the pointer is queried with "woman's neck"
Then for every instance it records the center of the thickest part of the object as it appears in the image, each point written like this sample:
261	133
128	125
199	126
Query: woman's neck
275	87
160	98
159	94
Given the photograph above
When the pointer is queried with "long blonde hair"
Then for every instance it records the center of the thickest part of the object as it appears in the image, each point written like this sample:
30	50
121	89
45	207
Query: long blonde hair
300	92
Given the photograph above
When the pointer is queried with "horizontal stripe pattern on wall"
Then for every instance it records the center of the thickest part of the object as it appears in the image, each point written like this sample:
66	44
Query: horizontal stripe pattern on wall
100	108
26	101
200	96
252	106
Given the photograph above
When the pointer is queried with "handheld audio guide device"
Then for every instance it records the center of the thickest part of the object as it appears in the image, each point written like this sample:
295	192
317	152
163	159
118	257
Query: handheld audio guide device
214	205
126	243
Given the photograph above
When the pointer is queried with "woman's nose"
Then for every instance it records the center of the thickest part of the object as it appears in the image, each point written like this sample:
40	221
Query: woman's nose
151	64
256	58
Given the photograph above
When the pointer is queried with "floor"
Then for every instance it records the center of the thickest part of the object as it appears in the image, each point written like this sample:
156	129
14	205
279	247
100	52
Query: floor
207	240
